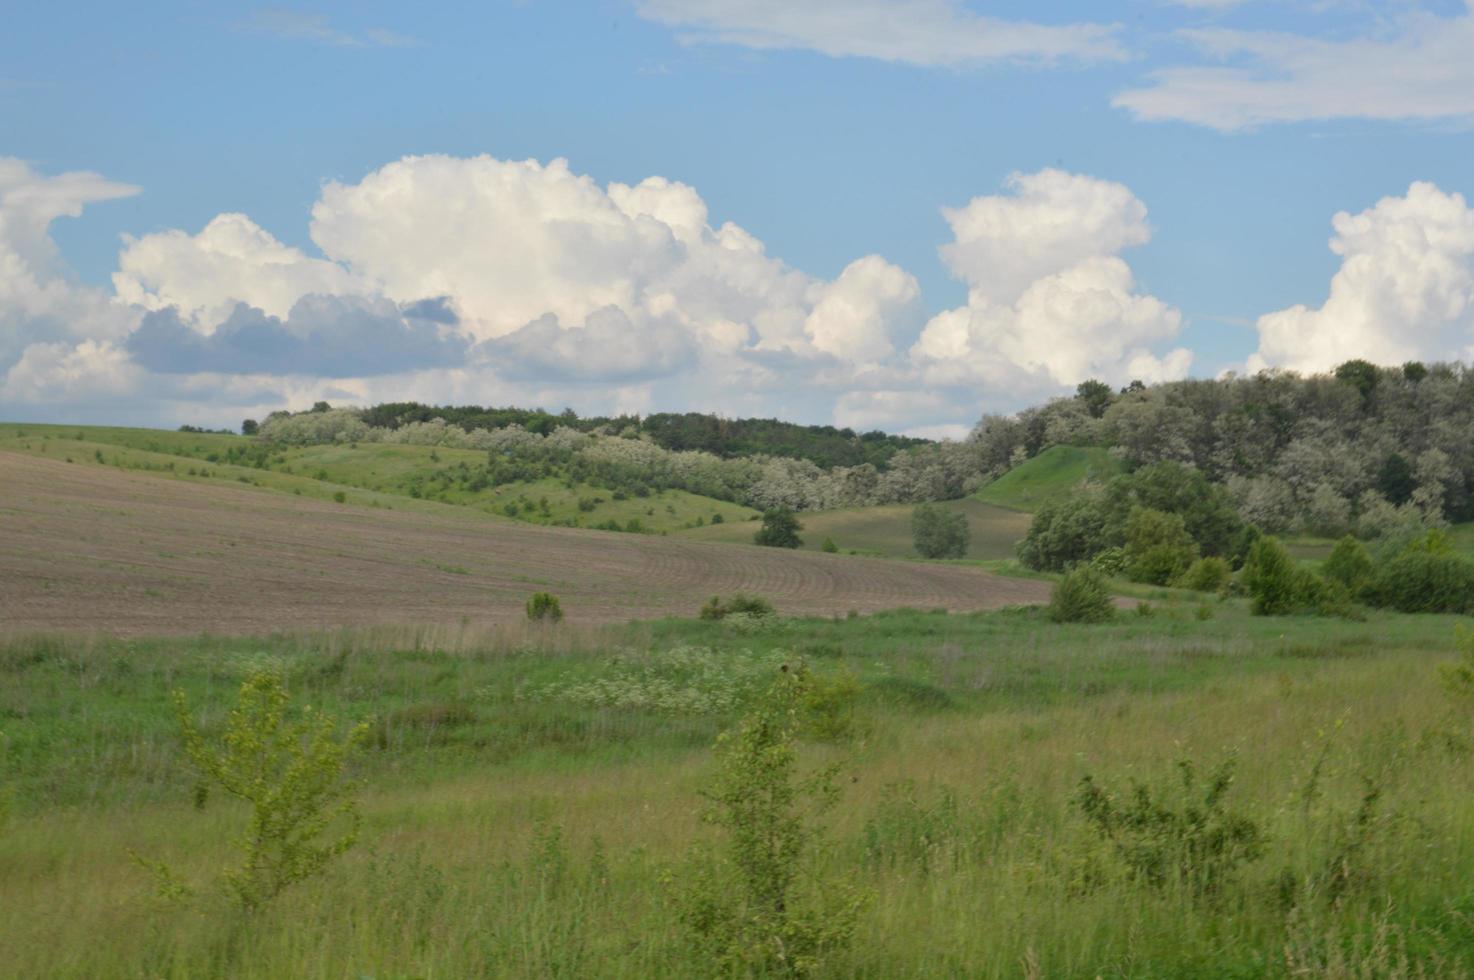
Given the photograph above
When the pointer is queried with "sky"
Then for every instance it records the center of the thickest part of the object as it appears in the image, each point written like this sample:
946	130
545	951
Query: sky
895	214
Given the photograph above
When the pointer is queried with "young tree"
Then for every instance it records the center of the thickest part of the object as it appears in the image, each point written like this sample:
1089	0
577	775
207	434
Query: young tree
250	427
939	533
780	530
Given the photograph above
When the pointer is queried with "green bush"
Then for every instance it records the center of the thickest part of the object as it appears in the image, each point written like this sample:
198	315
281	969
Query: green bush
1081	596
750	605
1421	581
939	533
1349	564
291	774
780	530
1206	575
544	607
1158	548
1270	578
1192	840
1064	532
829	546
340	497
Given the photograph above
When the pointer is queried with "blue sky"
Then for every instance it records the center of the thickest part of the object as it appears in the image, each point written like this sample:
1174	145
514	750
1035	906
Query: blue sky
827	132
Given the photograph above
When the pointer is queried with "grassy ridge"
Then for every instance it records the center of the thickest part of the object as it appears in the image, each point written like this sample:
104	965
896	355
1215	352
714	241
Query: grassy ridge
1053	473
513	830
371	473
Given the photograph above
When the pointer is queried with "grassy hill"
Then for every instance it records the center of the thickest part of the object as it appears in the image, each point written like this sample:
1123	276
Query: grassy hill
377	473
887	530
1053	473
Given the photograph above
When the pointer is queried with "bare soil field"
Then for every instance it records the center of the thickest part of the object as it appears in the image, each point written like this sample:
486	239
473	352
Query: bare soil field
98	549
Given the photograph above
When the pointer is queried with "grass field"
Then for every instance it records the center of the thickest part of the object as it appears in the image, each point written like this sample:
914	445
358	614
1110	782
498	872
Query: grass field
515	829
887	530
1055	472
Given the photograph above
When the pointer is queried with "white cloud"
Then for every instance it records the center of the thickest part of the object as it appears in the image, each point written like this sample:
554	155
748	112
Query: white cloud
230	261
1049	302
1405	289
1424	70
39	301
856	314
294	25
931	33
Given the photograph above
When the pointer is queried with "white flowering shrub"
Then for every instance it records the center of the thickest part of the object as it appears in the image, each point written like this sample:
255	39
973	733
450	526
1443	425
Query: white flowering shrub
685	680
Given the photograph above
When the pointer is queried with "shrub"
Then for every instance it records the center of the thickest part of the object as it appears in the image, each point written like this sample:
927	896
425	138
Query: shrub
760	910
1193	840
1349	564
544	607
340	497
829	546
780	530
1418	580
939	533
1158	548
1081	596
750	605
291	774
1206	575
1064	532
1270	578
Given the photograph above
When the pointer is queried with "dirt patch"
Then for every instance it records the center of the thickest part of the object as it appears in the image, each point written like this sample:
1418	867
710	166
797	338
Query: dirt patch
93	548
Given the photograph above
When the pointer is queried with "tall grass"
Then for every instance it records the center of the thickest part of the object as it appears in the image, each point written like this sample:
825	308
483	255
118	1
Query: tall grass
536	837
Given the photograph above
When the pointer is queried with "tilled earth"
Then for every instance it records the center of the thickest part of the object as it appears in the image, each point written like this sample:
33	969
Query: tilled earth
93	548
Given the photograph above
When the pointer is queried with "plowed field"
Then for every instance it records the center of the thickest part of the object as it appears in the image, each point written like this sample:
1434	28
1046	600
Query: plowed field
94	548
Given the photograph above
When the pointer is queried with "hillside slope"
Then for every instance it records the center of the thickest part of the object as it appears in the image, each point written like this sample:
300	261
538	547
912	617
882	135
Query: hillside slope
1053	473
99	548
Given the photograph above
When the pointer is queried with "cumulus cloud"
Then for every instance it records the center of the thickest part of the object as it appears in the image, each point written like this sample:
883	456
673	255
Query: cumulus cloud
1422	70
606	348
930	33
1405	289
39	301
230	261
322	336
1049	302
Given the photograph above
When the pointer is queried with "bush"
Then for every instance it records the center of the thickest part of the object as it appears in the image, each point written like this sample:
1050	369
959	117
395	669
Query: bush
1158	548
1081	597
1417	580
290	772
1270	578
1064	532
939	533
829	546
780	530
1193	841
340	497
1206	575
544	607
750	605
1350	564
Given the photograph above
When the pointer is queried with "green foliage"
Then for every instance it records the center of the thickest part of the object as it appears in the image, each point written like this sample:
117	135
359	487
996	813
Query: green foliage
339	497
1350	564
1420	579
1270	577
1361	375
740	603
780	530
1081	596
760	908
1188	838
1064	532
939	533
829	547
1096	396
544	607
684	680
1209	574
1207	511
1158	548
291	774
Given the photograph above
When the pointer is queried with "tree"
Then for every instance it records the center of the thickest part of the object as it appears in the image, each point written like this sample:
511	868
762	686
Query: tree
780	530
1095	395
250	427
1361	375
939	533
1158	547
1269	576
1395	479
1414	371
1065	531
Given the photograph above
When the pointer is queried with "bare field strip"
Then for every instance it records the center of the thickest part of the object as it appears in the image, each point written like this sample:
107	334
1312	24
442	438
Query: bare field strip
94	548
